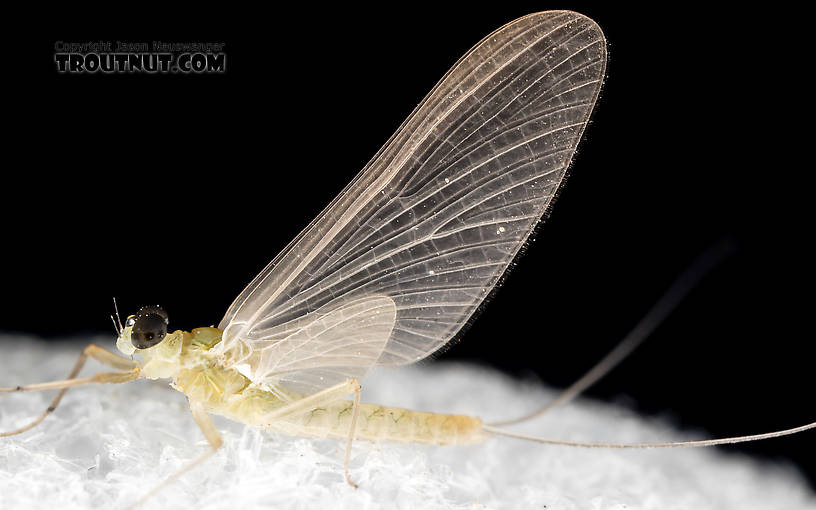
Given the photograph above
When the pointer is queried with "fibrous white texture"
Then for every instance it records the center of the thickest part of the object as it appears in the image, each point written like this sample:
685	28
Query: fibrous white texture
107	445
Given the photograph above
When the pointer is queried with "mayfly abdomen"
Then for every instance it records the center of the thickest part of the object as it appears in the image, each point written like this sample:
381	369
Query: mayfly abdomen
380	423
375	422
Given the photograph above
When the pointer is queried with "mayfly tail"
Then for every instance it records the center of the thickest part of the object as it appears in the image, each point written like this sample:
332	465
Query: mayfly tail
681	287
677	444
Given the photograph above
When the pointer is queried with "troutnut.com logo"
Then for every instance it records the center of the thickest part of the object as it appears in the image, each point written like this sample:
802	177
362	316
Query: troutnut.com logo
139	57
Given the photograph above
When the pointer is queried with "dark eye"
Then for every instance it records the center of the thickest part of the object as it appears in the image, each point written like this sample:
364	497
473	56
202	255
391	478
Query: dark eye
149	327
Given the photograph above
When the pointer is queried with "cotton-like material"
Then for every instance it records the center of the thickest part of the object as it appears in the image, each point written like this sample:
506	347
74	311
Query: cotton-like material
106	446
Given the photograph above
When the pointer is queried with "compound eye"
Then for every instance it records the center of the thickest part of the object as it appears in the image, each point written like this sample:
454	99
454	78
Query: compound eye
149	327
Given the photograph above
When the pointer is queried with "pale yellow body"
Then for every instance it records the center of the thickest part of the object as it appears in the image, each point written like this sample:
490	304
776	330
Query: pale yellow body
201	375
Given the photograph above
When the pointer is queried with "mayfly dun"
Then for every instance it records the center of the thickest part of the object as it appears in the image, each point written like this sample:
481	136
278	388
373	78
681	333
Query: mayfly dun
392	269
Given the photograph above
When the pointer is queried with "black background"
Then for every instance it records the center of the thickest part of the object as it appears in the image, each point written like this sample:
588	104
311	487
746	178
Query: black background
178	189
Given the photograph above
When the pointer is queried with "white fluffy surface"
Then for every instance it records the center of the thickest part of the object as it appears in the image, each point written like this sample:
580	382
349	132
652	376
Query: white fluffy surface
107	445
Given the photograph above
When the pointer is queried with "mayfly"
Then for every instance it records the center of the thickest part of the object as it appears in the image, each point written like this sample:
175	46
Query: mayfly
393	267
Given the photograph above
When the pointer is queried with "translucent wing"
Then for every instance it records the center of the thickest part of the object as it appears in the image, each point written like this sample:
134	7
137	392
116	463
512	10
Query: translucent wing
407	252
313	351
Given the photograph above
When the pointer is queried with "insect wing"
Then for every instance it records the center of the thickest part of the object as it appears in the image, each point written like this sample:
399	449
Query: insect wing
320	349
428	227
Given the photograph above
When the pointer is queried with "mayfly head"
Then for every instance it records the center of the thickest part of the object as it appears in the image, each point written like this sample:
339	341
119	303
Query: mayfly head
144	330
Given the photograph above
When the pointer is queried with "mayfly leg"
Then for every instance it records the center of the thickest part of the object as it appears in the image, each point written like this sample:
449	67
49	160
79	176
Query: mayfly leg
213	437
303	405
327	396
94	351
352	431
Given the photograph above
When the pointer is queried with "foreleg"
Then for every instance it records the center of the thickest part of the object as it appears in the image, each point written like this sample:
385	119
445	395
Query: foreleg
93	351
